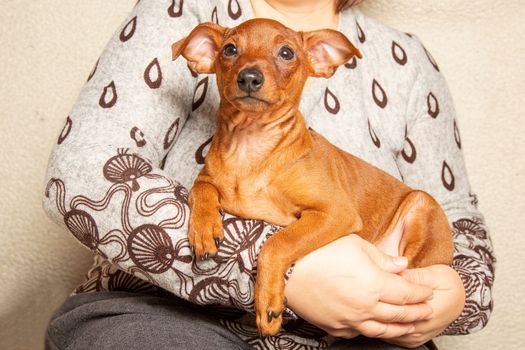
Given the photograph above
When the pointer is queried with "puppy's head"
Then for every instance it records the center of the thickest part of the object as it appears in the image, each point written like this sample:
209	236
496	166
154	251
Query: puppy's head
262	65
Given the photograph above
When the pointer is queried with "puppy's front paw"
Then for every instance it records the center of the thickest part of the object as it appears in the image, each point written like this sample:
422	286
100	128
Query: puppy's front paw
269	307
205	232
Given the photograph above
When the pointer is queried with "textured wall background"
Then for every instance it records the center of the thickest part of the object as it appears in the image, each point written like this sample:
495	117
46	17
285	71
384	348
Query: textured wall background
47	53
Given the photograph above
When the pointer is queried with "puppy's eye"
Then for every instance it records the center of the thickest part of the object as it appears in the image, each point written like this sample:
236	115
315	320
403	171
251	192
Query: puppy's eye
229	50
286	53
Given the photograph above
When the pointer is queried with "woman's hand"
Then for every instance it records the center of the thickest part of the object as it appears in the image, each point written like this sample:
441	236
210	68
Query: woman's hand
448	302
349	287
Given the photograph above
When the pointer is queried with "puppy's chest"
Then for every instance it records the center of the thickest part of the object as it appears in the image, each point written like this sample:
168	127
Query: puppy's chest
253	197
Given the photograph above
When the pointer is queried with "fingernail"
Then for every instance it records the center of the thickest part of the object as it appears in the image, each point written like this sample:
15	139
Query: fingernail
400	260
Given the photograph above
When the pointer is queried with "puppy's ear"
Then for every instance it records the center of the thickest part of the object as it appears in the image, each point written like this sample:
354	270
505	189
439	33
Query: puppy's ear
201	47
327	49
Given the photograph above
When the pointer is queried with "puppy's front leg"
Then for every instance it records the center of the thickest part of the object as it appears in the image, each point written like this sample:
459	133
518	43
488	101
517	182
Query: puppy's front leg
205	231
313	230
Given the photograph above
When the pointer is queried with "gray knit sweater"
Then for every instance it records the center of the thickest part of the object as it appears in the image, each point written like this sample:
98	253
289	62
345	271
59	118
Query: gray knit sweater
138	134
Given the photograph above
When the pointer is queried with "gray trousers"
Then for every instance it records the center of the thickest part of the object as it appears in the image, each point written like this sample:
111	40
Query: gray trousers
131	321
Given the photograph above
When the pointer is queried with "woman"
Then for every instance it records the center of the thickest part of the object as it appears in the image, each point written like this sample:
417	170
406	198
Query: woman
143	122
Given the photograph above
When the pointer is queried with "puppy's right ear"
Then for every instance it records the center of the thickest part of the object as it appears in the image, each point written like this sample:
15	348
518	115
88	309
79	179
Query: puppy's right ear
201	47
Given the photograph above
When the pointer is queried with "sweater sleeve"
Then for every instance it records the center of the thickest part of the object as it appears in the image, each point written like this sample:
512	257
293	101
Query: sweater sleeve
105	178
432	160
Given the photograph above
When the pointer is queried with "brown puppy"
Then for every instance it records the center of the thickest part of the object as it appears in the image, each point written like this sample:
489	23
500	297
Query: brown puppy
265	164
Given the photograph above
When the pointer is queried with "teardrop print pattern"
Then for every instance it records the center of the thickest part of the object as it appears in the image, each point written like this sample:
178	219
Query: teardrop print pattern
360	33
93	71
432	105
65	130
399	54
151	249
176	8
201	152
200	93
171	134
373	136
431	59
153	74
234	9
124	168
128	30
379	94
352	63
215	16
457	137
331	102
162	164
137	136
193	74
410	154
109	97
447	177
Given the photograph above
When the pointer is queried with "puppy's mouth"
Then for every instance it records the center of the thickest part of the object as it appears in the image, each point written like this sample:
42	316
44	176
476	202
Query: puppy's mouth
251	99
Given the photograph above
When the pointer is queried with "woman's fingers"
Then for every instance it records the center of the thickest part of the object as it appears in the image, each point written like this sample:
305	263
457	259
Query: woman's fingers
425	276
347	333
397	290
390	313
375	329
412	340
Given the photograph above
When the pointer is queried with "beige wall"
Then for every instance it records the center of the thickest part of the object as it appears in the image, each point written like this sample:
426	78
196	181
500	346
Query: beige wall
46	55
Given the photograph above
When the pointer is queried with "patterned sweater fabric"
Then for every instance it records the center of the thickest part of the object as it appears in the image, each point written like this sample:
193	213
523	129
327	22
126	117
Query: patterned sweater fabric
119	174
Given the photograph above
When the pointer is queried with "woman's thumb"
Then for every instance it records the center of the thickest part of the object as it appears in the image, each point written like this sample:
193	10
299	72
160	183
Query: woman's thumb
388	263
394	264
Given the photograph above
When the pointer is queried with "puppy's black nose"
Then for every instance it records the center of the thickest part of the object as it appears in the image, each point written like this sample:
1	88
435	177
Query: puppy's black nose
250	80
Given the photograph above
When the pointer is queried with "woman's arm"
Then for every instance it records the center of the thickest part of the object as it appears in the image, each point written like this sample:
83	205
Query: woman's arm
432	160
105	180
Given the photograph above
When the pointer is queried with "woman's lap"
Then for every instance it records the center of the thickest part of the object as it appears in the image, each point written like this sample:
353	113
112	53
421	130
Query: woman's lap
363	343
121	320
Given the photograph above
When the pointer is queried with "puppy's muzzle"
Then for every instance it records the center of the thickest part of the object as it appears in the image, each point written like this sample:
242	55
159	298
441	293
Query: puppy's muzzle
250	80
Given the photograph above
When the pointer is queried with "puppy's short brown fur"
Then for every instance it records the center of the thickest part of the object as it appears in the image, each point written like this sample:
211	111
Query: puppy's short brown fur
265	164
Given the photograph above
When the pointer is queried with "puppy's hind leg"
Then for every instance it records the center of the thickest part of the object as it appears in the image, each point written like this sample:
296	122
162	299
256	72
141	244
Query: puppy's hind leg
420	231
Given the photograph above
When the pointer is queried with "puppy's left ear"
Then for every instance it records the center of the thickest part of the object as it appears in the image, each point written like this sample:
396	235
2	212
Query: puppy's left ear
327	49
201	47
